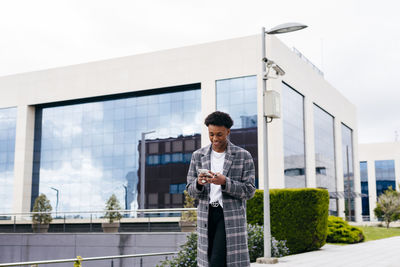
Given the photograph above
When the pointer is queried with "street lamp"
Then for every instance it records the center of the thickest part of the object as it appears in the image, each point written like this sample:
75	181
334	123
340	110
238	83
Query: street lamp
57	199
142	168
282	28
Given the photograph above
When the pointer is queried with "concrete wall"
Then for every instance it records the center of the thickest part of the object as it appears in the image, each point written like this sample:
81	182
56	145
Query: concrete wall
35	247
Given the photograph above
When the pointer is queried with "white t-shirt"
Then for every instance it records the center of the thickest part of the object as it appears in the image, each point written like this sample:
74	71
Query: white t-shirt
217	165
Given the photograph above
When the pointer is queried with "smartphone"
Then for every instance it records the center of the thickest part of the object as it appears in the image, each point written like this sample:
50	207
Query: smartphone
203	171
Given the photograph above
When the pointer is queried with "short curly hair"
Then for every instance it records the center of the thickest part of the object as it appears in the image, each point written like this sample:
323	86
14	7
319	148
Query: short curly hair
219	118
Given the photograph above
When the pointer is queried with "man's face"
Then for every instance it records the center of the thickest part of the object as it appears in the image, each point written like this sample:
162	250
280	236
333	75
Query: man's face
218	137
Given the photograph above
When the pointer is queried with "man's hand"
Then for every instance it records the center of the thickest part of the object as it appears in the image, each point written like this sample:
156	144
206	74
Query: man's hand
218	179
204	178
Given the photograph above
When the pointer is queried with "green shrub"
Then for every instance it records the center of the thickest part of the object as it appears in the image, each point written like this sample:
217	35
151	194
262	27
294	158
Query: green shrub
256	243
388	206
187	256
339	231
113	204
191	215
42	204
299	216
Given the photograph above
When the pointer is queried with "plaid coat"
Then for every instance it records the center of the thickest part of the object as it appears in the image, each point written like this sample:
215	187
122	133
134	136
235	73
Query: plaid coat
239	172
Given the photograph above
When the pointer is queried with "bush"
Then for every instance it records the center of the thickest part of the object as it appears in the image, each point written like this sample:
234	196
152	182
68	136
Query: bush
388	206
42	204
191	215
113	204
339	231
187	256
299	216
256	244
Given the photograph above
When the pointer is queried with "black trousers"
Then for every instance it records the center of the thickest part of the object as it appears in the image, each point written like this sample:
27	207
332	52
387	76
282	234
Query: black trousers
216	237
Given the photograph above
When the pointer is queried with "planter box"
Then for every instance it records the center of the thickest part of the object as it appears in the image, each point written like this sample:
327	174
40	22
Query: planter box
188	226
40	228
110	227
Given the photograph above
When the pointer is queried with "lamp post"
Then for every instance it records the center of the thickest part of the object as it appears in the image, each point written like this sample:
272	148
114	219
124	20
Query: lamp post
142	168
282	28
57	199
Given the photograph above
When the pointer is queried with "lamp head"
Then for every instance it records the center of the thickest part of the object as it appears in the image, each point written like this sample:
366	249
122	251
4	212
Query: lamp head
286	27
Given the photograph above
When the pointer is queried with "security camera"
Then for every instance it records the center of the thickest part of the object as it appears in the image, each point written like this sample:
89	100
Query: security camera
279	71
272	65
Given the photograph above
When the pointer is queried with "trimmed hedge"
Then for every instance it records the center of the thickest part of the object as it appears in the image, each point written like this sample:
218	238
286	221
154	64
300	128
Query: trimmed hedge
340	231
299	216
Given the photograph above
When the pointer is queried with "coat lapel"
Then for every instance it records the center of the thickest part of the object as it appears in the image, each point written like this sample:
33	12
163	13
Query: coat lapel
229	156
206	159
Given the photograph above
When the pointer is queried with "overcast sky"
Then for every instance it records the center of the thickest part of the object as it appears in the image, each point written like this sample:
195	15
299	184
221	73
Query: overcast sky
355	43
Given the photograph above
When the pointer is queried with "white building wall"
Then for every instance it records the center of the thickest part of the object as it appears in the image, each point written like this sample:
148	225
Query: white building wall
202	64
379	151
312	85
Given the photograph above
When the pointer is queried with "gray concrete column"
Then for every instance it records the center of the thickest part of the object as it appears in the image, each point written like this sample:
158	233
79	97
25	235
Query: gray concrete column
339	165
309	139
356	178
23	160
371	189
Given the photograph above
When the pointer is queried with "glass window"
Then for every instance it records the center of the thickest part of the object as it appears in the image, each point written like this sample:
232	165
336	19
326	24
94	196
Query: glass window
364	189
89	151
324	140
8	120
385	176
177	146
293	137
348	170
238	97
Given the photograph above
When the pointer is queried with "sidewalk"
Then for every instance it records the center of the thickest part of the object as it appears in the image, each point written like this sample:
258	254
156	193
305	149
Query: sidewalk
382	253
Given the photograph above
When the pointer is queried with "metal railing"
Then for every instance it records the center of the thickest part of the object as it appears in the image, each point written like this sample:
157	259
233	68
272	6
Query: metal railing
91	217
77	262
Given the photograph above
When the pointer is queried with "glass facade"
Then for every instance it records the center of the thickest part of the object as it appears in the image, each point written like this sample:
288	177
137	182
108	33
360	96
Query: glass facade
293	137
8	119
325	169
89	151
385	176
238	97
348	170
364	189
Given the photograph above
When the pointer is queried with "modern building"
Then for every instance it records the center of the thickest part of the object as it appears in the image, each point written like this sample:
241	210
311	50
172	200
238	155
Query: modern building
76	129
379	169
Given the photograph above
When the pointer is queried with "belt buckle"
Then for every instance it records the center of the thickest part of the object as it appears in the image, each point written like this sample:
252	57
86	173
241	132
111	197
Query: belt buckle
215	204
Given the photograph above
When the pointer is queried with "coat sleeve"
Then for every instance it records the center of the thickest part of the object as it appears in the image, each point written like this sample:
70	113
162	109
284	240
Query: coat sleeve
194	189
245	188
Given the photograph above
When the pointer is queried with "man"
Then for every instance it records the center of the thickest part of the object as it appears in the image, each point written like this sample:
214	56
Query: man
222	193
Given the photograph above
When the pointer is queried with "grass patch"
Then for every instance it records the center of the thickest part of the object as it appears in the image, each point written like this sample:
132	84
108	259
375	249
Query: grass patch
375	233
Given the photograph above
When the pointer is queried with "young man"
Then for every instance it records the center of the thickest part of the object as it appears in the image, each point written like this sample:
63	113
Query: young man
222	192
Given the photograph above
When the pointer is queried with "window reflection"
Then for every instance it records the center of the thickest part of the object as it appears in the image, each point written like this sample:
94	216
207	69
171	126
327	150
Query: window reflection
348	170
364	189
385	176
325	169
293	137
91	150
238	97
8	117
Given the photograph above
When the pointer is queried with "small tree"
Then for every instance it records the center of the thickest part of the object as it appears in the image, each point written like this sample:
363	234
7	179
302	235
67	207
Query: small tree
191	215
42	204
388	206
113	204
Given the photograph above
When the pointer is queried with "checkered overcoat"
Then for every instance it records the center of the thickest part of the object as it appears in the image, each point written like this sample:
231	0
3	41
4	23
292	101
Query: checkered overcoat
239	172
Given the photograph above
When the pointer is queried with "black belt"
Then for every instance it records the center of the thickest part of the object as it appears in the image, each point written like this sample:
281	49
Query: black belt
215	204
